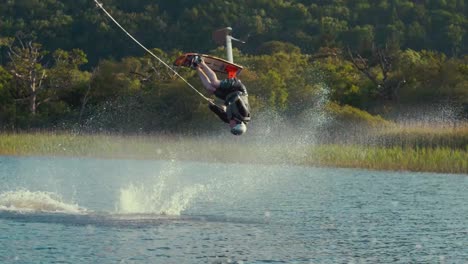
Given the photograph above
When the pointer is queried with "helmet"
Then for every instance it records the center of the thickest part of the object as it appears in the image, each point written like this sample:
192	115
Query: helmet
239	129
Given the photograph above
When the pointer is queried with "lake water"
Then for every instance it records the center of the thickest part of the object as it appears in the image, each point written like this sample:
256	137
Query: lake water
63	210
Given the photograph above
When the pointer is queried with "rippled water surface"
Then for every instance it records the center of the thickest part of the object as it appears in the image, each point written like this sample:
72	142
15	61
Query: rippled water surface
122	211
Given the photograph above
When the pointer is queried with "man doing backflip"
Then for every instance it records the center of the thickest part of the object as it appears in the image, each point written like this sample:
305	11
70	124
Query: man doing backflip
236	109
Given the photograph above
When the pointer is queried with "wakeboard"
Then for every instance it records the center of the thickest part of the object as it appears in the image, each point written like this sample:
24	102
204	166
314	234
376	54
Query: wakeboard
215	63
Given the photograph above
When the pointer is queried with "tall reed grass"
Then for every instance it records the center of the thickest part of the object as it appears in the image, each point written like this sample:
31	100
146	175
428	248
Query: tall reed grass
455	137
411	157
439	159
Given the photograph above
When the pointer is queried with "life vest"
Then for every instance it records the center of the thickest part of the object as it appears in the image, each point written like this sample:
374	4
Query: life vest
237	106
228	86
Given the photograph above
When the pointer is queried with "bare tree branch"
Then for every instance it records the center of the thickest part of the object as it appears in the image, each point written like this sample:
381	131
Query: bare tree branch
46	100
86	96
25	66
387	86
144	79
362	65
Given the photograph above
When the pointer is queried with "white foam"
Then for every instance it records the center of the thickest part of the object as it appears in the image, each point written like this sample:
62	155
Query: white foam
156	199
27	201
166	194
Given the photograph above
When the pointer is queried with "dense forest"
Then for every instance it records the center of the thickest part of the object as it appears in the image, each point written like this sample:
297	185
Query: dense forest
64	64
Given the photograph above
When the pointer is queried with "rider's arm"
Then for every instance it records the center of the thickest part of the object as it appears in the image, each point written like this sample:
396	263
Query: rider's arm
220	112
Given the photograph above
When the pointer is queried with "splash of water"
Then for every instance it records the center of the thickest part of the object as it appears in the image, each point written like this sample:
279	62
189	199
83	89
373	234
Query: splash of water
291	132
299	126
156	200
312	120
441	115
165	195
27	201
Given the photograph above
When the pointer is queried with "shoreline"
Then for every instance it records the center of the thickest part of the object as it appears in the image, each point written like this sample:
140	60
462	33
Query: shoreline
416	159
317	166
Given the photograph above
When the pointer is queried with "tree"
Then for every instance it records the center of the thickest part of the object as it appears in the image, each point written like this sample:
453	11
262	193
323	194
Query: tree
378	68
432	78
359	38
272	47
346	86
455	34
65	74
330	30
416	35
7	113
27	70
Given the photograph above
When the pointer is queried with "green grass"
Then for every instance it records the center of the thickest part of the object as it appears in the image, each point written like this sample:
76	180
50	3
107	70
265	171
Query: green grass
414	158
424	136
391	158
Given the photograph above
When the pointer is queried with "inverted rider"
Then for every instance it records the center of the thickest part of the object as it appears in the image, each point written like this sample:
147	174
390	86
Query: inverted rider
236	109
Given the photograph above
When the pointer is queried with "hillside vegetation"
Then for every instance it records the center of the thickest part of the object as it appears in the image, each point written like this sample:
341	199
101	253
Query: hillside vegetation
64	65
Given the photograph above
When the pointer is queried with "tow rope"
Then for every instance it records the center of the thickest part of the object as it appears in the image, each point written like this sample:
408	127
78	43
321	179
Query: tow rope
149	51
